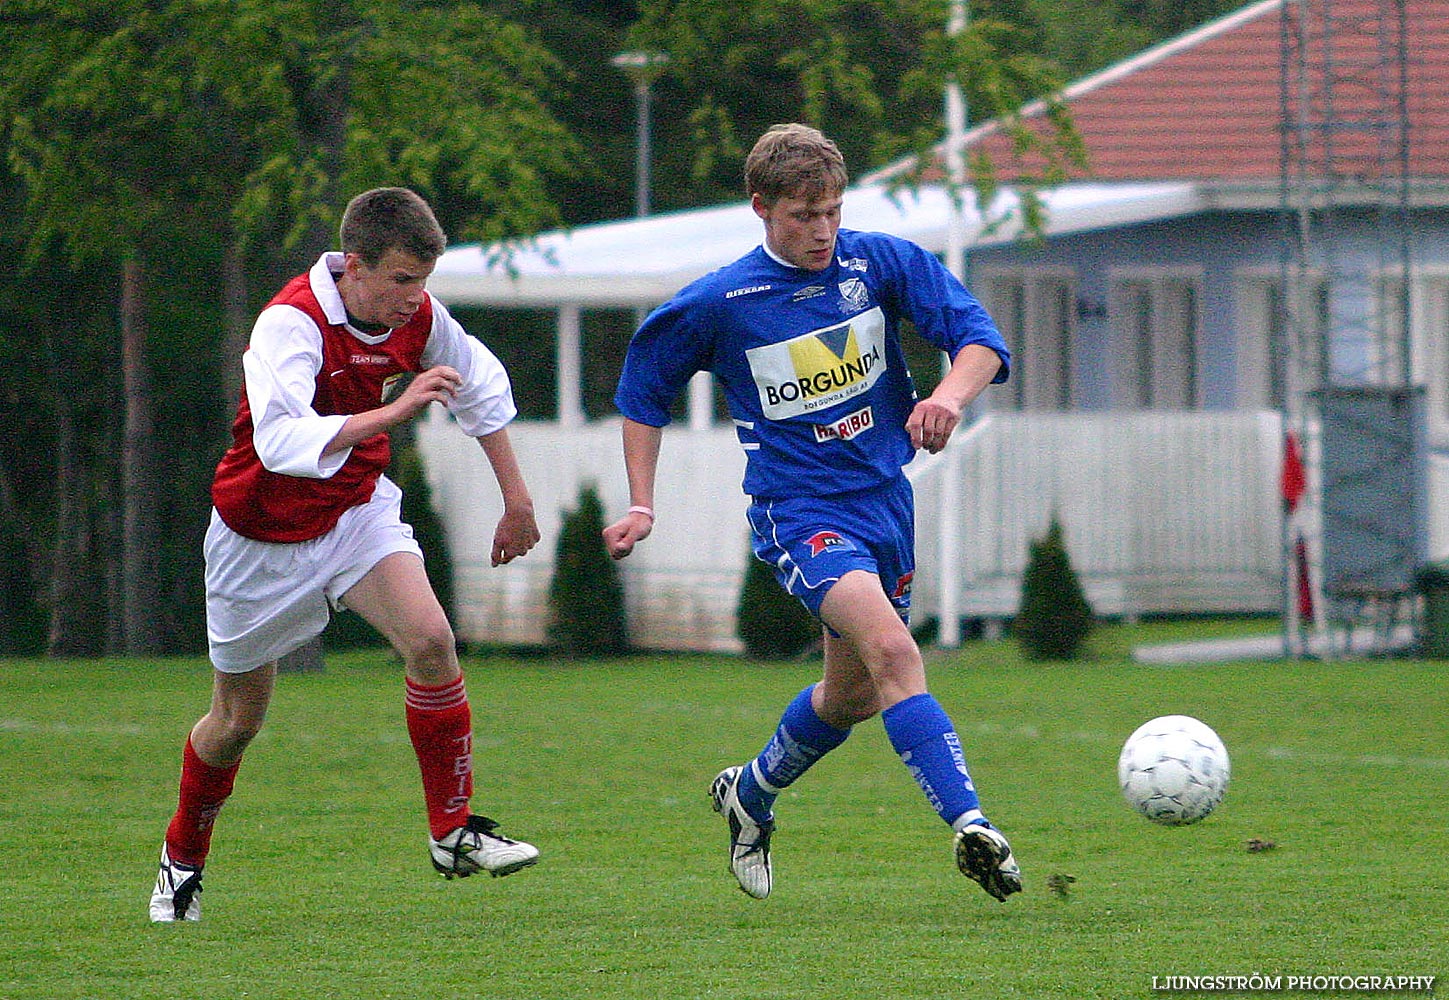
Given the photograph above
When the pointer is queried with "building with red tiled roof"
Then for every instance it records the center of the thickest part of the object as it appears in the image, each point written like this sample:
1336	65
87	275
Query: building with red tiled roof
1314	134
1208	105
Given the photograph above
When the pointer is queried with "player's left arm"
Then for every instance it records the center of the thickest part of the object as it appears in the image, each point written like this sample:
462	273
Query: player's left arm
517	530
641	462
934	418
482	404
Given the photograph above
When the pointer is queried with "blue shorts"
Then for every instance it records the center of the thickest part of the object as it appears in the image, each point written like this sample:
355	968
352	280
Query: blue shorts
813	541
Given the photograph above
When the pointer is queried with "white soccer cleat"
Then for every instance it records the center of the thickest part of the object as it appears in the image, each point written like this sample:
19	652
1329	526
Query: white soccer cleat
177	895
474	847
749	839
984	856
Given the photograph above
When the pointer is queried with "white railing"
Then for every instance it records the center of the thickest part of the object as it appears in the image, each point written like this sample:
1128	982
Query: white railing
1161	512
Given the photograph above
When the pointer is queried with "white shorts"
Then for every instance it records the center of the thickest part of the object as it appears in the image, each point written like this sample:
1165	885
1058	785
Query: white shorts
265	599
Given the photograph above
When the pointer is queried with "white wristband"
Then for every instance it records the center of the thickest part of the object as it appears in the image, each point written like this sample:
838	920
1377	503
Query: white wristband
641	509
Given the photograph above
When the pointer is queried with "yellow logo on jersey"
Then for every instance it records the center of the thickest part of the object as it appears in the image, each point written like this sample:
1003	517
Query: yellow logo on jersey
821	368
829	360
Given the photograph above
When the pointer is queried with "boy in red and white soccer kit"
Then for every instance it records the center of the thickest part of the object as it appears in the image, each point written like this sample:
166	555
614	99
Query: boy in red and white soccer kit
305	521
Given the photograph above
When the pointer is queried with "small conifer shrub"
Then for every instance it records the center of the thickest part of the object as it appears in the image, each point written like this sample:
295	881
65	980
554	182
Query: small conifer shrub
772	623
585	597
1055	618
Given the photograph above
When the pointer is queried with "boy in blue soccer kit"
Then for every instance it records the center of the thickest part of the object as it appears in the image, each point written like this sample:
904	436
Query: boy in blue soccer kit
802	335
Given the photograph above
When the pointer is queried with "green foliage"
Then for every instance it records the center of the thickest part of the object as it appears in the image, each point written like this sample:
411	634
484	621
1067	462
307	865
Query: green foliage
291	106
585	598
771	623
1002	68
22	621
872	81
99	745
868	72
1055	618
456	102
1432	576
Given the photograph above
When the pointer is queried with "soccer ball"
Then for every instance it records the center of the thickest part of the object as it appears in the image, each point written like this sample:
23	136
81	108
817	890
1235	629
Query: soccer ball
1173	770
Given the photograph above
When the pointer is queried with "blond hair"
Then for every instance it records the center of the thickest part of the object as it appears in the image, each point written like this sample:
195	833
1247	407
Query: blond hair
794	161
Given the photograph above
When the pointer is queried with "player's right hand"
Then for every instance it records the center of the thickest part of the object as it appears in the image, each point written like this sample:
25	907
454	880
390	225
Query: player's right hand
438	384
621	536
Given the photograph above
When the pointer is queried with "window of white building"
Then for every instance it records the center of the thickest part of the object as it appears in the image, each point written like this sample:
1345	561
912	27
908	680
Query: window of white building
1033	308
1155	323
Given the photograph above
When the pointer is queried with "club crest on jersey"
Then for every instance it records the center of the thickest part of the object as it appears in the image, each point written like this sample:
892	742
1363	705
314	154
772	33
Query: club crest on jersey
846	427
822	541
395	385
854	295
815	370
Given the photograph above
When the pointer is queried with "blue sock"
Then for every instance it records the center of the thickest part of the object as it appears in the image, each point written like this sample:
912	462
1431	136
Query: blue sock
801	739
921	733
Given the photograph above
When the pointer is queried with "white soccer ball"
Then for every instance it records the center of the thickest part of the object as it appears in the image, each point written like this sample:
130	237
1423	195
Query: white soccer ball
1173	770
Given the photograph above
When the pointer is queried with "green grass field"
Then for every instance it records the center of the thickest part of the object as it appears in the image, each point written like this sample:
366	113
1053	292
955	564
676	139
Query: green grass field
319	885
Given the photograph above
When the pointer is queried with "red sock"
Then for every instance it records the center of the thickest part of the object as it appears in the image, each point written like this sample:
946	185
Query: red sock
441	727
204	790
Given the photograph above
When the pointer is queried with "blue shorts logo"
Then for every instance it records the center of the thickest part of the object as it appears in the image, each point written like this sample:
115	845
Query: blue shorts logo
824	540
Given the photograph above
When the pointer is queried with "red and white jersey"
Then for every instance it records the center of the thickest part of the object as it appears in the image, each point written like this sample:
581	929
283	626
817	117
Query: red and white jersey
306	371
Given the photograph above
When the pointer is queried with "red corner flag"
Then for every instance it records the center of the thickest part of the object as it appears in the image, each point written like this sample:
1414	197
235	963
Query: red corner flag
1305	585
1295	477
1294	484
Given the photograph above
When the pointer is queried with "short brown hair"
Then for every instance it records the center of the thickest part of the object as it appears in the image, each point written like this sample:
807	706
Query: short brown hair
391	218
794	160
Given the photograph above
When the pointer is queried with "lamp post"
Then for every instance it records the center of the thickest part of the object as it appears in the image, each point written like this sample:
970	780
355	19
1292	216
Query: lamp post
642	68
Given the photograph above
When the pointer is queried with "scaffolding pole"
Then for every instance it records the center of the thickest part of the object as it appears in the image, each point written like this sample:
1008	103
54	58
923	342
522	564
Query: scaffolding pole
1342	315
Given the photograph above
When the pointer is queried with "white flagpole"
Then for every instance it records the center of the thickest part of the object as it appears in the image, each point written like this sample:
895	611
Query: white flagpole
948	539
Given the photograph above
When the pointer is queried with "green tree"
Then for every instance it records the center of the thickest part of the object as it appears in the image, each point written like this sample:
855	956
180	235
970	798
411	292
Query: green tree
86	149
197	138
586	598
870	73
1086	35
1054	619
594	100
845	65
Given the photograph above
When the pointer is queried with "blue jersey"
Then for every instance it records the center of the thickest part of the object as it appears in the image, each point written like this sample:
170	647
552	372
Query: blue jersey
810	362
